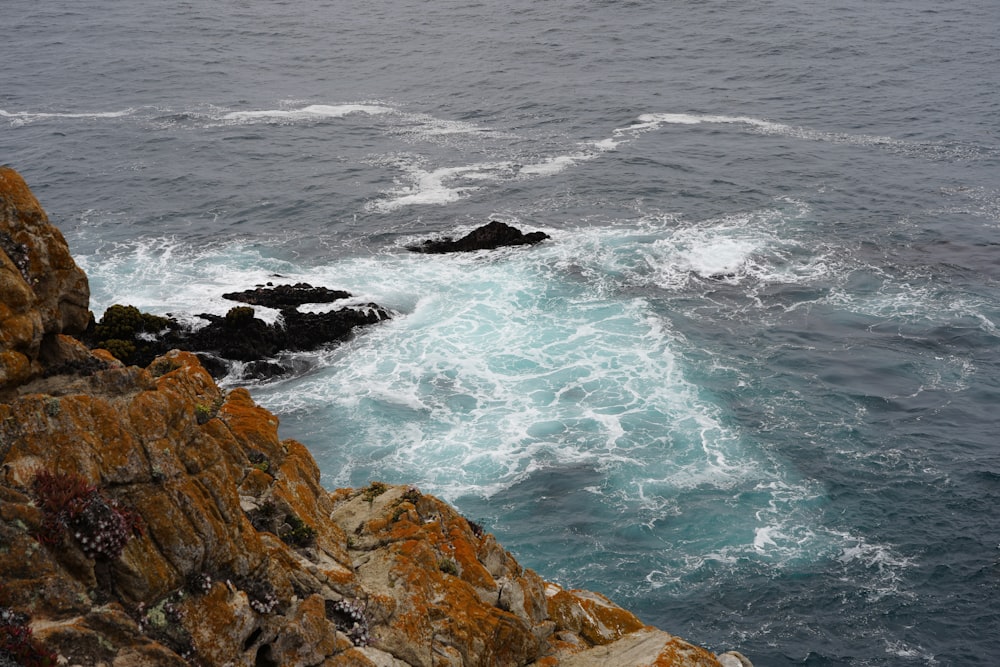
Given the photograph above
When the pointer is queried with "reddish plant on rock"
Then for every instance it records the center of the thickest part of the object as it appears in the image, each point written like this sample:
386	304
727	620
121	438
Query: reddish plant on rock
100	525
17	647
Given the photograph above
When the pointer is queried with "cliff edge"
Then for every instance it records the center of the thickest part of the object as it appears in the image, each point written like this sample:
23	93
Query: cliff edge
148	518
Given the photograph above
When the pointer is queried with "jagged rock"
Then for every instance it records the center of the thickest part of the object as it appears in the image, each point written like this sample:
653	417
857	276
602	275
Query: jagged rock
137	338
252	339
43	292
493	235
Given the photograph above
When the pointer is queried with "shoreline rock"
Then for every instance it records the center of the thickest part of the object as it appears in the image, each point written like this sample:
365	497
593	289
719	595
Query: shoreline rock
490	236
137	338
148	518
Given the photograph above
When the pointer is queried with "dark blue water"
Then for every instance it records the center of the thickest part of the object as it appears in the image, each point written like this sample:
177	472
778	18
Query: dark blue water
748	389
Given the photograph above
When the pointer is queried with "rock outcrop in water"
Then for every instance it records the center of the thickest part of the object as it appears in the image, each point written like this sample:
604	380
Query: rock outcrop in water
490	236
148	518
137	338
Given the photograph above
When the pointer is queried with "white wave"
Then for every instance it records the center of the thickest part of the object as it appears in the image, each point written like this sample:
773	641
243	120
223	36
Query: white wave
557	163
753	249
445	185
931	150
161	275
438	186
652	121
18	118
311	112
762	538
901	649
553	165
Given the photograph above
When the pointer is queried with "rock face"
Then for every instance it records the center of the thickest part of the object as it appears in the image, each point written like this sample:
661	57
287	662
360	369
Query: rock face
493	235
147	518
43	293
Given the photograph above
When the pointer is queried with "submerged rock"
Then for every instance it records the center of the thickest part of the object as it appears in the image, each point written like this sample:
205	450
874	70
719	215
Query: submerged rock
493	235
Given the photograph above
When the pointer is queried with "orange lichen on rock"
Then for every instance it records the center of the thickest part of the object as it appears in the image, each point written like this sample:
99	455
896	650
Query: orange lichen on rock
591	615
679	652
42	290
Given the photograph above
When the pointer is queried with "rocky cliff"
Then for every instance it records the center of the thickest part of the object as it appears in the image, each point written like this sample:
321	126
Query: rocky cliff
148	518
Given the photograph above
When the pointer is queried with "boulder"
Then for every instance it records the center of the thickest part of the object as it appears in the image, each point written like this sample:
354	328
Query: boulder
493	235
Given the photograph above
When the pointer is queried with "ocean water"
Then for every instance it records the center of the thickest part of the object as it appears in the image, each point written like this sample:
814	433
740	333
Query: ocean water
748	389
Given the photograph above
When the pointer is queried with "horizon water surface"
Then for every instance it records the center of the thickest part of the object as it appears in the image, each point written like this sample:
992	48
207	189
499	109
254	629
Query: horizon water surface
748	387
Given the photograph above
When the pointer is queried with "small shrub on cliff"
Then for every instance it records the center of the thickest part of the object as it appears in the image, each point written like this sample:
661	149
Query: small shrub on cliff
17	646
265	517
259	460
198	583
477	529
448	566
101	526
82	367
122	350
373	491
298	533
163	366
238	316
203	412
350	618
126	322
128	334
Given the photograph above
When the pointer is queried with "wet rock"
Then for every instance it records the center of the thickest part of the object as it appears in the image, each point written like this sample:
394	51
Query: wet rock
282	297
250	339
493	235
138	338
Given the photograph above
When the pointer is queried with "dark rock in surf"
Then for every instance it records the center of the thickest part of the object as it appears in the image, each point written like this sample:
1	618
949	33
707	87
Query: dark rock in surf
237	336
263	370
493	235
287	296
309	331
251	339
